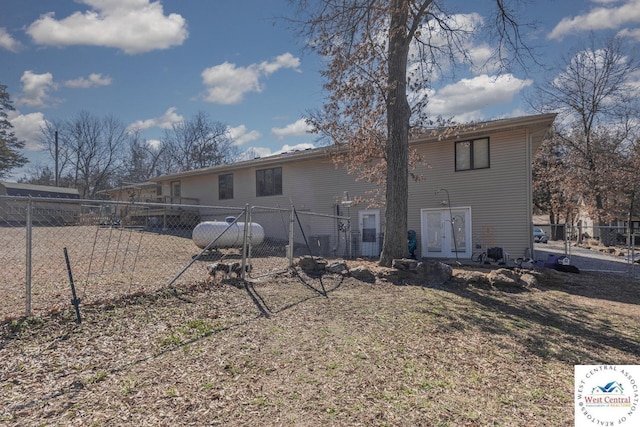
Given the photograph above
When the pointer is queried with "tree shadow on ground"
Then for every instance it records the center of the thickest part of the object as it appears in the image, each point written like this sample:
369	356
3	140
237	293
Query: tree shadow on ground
554	329
616	288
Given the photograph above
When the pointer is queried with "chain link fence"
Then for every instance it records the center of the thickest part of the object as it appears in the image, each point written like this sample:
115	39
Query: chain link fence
117	249
618	241
607	235
289	234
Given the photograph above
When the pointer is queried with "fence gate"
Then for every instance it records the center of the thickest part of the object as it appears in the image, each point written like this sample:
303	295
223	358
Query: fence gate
289	234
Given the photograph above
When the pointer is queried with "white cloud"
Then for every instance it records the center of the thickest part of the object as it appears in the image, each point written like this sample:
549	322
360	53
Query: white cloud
227	83
634	34
259	152
634	83
165	121
135	26
298	147
286	60
7	42
298	128
154	143
28	127
599	18
254	153
467	96
479	55
93	80
483	59
240	135
35	89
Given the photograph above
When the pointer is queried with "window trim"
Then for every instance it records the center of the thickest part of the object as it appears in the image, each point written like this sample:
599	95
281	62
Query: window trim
176	185
223	178
471	154
277	186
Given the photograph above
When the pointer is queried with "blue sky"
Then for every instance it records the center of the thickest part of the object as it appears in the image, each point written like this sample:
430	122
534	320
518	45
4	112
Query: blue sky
154	63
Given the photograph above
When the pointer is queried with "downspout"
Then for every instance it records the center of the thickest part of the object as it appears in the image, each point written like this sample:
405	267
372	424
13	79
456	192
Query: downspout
529	160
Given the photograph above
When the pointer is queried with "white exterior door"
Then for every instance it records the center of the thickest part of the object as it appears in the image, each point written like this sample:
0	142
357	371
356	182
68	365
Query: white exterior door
446	233
369	221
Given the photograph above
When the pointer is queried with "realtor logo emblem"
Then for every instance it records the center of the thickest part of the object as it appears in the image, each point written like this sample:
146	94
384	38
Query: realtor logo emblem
607	395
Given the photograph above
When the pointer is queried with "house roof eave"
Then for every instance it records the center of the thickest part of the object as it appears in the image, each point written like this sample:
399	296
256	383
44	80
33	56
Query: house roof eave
538	126
258	162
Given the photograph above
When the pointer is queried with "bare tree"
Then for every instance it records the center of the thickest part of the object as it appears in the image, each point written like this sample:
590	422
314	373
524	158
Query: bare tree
553	190
90	149
598	123
197	143
142	162
10	145
631	179
60	154
379	52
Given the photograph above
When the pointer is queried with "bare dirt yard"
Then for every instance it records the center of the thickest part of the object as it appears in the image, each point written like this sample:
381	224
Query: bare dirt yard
320	350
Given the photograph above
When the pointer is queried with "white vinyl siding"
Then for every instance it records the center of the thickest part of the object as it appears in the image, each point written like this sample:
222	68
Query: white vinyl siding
498	195
313	185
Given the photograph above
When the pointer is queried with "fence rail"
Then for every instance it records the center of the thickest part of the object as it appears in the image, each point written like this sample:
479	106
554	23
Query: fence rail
621	241
119	248
607	235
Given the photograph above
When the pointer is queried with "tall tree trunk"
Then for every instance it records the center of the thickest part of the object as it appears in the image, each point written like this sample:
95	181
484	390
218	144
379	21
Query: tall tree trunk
398	115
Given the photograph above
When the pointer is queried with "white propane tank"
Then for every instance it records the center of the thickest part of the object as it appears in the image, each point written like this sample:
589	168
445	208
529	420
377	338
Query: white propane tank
207	231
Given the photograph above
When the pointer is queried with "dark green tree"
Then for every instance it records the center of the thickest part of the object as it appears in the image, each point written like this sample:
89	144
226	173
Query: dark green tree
10	145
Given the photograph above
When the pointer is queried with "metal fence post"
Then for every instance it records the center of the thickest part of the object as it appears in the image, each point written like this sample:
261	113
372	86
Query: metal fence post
292	220
245	242
29	221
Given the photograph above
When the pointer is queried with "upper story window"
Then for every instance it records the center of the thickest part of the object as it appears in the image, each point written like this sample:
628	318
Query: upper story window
269	182
225	186
472	154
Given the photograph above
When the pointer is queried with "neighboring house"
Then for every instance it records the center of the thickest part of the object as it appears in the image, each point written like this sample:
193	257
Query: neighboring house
148	192
483	174
44	212
138	192
148	196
